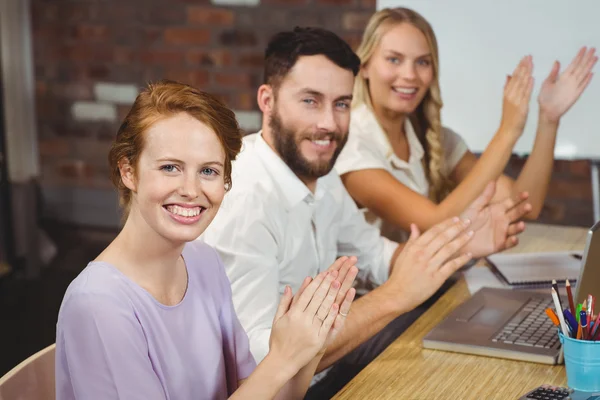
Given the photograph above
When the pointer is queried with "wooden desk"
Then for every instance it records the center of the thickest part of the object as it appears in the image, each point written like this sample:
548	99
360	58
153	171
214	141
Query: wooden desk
407	371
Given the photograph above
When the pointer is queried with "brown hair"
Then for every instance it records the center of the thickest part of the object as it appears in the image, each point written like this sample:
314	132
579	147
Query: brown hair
161	100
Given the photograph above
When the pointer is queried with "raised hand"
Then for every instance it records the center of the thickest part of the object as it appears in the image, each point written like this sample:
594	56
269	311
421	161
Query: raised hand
427	260
302	324
495	225
517	93
559	93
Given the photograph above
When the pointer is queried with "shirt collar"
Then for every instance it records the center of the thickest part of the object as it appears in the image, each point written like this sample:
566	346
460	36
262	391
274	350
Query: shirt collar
368	122
292	188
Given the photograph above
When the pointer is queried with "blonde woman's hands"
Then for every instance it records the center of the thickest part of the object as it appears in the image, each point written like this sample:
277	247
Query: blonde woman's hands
560	92
517	94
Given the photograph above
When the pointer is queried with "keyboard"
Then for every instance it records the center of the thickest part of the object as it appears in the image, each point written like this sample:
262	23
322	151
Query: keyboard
531	327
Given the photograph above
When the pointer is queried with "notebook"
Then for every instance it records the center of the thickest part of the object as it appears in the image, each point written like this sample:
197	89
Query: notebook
527	269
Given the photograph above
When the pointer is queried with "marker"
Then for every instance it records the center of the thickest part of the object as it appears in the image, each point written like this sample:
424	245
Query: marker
583	325
550	312
571	321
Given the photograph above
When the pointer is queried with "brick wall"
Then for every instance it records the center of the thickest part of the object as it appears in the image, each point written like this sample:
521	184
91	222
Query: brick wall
92	56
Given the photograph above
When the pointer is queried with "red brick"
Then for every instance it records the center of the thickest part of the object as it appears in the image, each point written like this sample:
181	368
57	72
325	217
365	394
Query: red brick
123	55
355	20
122	111
337	2
40	88
192	77
252	60
580	168
246	101
369	4
230	79
77	12
72	91
161	57
151	36
89	32
353	40
210	16
220	58
570	189
189	36
285	2
98	72
238	38
75	169
54	147
163	15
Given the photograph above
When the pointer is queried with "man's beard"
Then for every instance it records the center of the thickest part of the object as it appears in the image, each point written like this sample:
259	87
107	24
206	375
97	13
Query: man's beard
286	144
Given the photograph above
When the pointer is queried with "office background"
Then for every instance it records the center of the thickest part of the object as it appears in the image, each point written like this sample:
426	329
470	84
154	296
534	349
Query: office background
88	58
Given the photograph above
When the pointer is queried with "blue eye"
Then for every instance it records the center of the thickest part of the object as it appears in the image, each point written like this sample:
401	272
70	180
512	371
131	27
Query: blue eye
209	171
424	62
168	168
343	105
393	60
309	101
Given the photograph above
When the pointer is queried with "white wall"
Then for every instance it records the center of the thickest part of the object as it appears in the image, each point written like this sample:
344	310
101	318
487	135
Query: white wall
481	41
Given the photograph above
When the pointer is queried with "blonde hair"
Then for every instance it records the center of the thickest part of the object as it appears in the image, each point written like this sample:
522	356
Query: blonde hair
426	118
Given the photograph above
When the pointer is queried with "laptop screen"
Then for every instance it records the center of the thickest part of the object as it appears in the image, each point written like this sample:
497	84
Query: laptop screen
589	276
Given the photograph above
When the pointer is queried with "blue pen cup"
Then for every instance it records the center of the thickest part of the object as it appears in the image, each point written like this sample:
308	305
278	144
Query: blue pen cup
582	361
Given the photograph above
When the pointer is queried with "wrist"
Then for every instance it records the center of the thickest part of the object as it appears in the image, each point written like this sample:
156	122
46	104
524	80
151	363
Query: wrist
508	135
394	301
280	369
545	119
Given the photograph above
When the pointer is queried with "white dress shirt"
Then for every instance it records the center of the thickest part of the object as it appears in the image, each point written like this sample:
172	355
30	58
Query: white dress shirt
368	147
271	231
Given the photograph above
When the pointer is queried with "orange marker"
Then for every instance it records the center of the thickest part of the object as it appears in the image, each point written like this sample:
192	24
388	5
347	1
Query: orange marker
550	312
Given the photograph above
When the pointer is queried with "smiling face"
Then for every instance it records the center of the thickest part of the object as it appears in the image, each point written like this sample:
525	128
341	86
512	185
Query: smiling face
178	182
310	115
400	71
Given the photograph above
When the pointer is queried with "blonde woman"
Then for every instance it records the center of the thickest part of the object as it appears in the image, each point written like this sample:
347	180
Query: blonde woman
404	167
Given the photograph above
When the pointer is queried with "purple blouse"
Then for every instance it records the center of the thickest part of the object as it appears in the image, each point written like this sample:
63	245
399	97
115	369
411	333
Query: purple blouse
115	341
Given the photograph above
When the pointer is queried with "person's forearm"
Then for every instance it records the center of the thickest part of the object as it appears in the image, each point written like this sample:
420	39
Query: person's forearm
369	315
536	173
488	167
296	387
269	377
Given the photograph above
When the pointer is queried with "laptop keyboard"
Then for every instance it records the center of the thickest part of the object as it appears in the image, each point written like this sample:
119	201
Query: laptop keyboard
531	327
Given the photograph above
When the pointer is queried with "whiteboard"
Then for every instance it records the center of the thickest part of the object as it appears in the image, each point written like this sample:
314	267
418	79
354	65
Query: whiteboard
481	41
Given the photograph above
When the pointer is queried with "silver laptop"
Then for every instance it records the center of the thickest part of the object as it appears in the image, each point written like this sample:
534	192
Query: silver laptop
511	323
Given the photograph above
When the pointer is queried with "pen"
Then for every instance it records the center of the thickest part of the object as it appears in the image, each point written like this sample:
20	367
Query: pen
583	325
571	321
561	319
570	297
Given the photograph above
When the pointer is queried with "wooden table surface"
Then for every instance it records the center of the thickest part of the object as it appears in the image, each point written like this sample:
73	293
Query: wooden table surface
407	371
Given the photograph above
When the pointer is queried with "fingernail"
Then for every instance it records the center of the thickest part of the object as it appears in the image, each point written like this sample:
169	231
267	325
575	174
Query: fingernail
467	222
455	219
470	233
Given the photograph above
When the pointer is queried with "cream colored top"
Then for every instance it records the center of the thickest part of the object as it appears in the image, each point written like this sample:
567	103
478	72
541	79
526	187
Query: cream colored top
368	147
